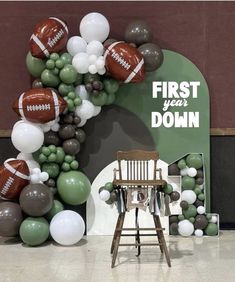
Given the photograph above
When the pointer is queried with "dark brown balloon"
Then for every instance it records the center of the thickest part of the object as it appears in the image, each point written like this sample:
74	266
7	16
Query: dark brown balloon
138	32
173	169
76	120
51	138
109	42
174	228
184	205
175	196
50	182
153	56
68	118
66	131
80	135
173	218
112	199
199	181
200	222
71	146
198	203
200	173
36	199
10	219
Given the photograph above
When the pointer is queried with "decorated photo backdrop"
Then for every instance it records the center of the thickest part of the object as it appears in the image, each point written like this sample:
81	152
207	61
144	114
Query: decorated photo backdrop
69	88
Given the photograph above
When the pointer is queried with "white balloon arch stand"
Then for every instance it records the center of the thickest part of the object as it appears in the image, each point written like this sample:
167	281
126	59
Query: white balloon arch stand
102	218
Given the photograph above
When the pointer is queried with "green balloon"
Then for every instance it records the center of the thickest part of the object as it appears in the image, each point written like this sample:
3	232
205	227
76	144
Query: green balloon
211	229
52	158
52	169
59	63
194	160
34	231
64	88
56	207
188	182
168	188
60	154
74	165
46	151
54	56
181	217
34	65
68	74
65	167
197	190
73	187
88	77
79	79
69	158
111	86
109	186
49	79
42	158
191	211
182	164
99	100
192	219
66	58
52	148
209	216
110	99
50	64
201	196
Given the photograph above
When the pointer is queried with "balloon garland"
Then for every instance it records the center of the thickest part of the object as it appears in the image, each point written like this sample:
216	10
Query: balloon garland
68	89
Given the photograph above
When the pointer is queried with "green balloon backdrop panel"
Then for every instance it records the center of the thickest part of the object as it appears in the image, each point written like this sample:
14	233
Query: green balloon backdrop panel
173	143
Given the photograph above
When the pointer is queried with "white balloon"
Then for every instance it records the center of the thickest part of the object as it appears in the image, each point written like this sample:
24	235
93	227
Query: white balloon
94	26
97	110
85	110
32	164
27	137
92	59
192	172
36	170
188	196
201	186
100	63
67	228
213	219
75	45
81	62
44	176
184	171
185	228
201	210
83	122
24	156
80	90
104	195
175	186
34	178
45	127
95	48
92	69
55	127
198	233
102	71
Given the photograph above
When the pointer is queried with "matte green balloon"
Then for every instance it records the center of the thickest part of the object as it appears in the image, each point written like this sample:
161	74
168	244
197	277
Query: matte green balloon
109	186
52	169
111	86
211	229
73	187
66	58
182	164
194	160
191	211
188	182
181	217
34	231
201	196
168	189
197	190
110	99
60	155
209	216
64	88
34	65
57	207
46	151
49	79
79	79
192	219
68	74
99	100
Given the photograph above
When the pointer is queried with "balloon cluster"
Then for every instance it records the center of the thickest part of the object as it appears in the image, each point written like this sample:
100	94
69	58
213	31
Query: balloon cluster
193	218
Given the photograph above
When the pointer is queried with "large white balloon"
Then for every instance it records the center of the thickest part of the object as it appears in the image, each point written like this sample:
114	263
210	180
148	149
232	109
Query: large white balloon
188	196
95	48
75	45
185	228
81	62
85	110
67	228
94	26
27	137
80	90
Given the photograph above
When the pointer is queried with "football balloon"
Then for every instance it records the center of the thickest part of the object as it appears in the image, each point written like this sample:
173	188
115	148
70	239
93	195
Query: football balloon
14	176
49	36
124	62
39	105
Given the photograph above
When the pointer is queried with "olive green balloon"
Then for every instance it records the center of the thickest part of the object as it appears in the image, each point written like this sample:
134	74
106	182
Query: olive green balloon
192	219
197	190
191	211
194	160
110	99
64	88
60	155
34	65
211	229
49	79
34	231
56	207
181	217
66	58
201	196
168	188
188	182
111	86
73	187
209	216
109	186
68	74
99	100
79	79
182	164
52	169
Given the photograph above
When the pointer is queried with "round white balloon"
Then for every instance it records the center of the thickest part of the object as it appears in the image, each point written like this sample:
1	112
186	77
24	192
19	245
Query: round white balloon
92	59
104	195
44	176
67	228
94	26
201	210
198	233
92	69
95	48
25	157
81	62
80	90
185	228
34	178
188	196
100	63
175	186
213	219
27	137
75	45
101	71
192	172
184	171
85	110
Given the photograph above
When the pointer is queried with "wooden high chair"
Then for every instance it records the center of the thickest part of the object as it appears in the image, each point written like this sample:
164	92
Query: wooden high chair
133	185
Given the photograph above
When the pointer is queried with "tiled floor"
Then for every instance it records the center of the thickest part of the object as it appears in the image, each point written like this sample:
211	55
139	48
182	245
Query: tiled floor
209	259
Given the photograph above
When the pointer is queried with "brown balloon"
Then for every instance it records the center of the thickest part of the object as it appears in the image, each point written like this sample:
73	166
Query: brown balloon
80	135
36	199
184	205
200	222
175	196
10	219
200	173
199	181
66	131
138	32
174	228
71	146
50	182
51	138
173	169
153	56
173	218
198	203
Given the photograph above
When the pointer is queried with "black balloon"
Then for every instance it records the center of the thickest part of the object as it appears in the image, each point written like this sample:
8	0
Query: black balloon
80	135
174	228
173	218
184	205
71	146
51	138
200	222
138	32
199	181
173	169
36	199
198	203
66	131
153	56
175	196
10	219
